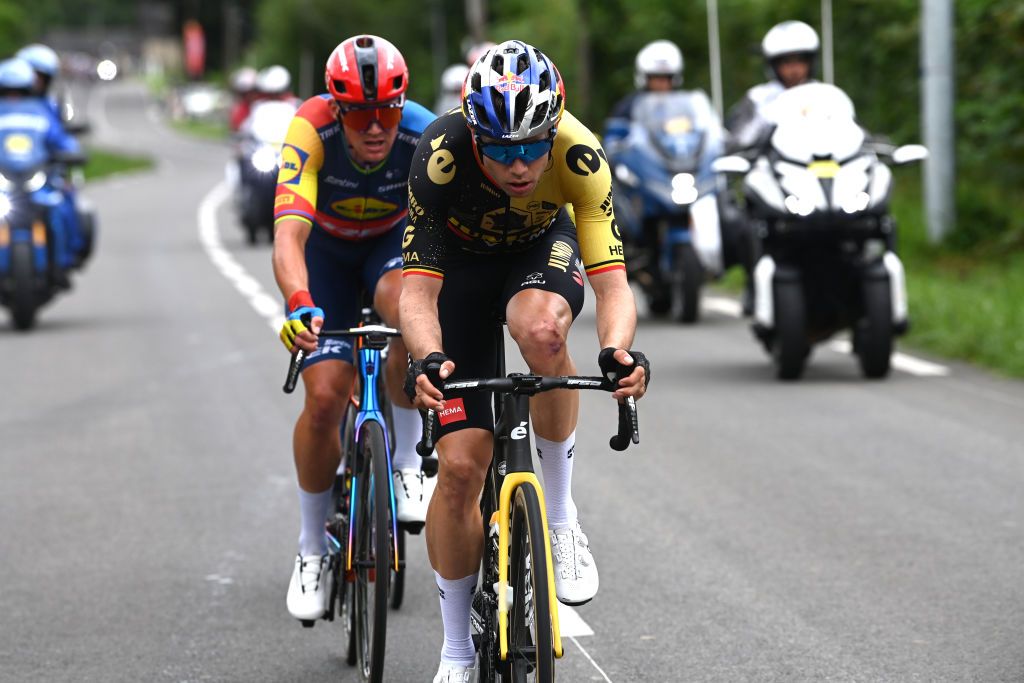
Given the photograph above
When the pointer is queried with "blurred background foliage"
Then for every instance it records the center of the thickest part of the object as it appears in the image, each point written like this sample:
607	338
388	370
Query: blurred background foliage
594	44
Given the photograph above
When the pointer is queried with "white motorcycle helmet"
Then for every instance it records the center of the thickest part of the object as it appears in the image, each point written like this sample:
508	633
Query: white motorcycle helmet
789	38
244	80
274	80
453	77
660	58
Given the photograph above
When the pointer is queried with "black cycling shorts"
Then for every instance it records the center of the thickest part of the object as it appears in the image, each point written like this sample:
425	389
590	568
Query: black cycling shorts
477	288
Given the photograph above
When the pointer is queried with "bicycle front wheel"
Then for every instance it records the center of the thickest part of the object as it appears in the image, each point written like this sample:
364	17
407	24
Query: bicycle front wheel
374	553
531	655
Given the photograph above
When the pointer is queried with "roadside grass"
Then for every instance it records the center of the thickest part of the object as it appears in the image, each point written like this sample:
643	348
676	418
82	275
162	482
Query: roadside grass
216	129
963	304
104	163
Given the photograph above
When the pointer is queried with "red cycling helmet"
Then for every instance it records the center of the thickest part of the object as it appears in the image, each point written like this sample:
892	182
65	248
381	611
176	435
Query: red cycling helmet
366	70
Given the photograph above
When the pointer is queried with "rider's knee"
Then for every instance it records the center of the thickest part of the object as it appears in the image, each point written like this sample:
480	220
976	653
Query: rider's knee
324	405
541	339
461	477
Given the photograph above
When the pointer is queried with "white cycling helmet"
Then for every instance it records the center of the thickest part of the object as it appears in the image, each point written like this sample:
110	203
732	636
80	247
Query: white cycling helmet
453	77
660	58
42	58
789	37
274	80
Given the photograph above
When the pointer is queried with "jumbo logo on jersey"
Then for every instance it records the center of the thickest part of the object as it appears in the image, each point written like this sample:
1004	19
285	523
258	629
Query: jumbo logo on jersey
441	165
583	160
363	208
292	161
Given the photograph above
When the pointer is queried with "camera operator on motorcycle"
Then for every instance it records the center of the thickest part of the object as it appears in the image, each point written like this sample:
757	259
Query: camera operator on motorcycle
450	96
77	240
662	135
340	211
29	119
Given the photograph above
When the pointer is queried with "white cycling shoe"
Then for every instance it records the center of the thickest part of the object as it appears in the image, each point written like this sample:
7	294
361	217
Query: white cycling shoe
453	673
575	573
412	494
310	587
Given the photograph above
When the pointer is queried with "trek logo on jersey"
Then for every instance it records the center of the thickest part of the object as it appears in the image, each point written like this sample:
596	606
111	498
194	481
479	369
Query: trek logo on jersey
292	161
510	82
454	411
363	208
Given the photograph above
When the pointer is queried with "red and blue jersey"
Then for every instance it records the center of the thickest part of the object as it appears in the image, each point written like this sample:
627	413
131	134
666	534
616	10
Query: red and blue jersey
321	184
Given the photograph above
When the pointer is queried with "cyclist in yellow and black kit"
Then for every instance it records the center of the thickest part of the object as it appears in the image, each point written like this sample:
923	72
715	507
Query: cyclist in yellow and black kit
489	232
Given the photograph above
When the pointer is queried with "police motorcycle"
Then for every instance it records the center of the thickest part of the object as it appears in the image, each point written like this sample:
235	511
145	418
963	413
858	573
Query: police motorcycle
817	192
30	194
665	199
258	161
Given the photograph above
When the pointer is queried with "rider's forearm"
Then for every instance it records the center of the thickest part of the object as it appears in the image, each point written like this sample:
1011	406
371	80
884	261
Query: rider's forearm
616	310
289	257
417	310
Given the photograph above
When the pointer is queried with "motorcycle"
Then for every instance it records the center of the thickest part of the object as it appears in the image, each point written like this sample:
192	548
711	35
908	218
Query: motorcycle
817	193
665	195
258	162
29	201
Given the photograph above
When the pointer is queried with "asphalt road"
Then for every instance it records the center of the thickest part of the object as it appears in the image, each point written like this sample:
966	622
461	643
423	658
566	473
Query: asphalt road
832	529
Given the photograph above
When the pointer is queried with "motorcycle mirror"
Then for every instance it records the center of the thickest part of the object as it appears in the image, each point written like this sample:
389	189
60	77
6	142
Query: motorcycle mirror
730	164
77	127
907	153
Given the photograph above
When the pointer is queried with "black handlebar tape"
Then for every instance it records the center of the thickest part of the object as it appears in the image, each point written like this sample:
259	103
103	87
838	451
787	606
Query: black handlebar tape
425	447
294	367
629	430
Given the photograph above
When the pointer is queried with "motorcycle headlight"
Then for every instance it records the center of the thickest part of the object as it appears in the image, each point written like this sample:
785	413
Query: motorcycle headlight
855	203
684	188
801	206
5	184
5	205
36	182
264	159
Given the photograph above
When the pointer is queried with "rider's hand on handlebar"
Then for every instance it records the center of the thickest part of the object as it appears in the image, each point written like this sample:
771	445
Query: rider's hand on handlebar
420	379
630	370
303	323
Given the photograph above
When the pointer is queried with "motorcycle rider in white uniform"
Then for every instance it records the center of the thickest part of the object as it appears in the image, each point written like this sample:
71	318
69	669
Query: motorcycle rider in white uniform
659	68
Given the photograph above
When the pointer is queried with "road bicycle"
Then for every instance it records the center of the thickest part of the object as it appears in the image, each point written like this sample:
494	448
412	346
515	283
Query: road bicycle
365	541
515	610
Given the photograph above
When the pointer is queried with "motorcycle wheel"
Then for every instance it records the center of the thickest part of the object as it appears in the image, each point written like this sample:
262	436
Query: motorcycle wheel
789	344
87	221
23	295
687	279
873	334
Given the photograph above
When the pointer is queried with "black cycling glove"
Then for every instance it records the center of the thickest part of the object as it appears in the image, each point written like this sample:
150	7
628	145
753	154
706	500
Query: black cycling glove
430	366
613	370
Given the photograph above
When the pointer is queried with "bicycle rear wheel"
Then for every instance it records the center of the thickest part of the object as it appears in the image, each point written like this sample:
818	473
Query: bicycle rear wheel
531	655
374	553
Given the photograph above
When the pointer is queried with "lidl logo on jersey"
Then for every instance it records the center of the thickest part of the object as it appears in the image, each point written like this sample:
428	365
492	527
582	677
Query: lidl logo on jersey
363	208
510	82
292	161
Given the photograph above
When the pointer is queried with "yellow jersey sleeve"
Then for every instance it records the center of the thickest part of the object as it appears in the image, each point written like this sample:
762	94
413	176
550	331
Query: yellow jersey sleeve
302	156
586	183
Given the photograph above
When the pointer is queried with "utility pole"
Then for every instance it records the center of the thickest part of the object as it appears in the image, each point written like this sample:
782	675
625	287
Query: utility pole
306	55
827	62
476	13
937	115
715	58
438	39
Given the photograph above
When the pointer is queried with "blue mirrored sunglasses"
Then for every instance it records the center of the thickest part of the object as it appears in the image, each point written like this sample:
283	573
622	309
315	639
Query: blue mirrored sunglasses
506	154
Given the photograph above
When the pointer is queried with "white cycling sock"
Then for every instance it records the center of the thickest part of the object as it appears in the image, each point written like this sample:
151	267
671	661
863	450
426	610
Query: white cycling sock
408	429
556	459
314	508
456	600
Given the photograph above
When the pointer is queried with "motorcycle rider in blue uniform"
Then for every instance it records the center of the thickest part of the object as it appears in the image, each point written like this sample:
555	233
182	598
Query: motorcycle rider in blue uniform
25	114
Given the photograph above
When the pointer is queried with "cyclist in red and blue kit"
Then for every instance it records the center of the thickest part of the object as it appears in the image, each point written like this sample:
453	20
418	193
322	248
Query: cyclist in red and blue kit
339	213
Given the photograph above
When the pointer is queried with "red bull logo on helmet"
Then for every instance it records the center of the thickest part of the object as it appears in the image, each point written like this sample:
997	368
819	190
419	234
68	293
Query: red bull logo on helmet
510	83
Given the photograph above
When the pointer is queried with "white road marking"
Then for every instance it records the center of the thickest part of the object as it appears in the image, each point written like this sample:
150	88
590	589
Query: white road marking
268	307
571	624
591	659
900	361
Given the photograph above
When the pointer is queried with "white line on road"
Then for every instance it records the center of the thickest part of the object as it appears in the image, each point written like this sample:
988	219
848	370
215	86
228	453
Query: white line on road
571	624
268	307
590	659
900	361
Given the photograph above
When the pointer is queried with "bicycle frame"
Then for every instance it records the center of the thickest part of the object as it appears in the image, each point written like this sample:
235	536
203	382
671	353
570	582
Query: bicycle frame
370	368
